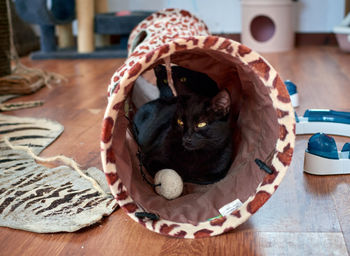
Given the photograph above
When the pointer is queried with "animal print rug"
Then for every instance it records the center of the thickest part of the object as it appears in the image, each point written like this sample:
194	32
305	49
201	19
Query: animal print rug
40	199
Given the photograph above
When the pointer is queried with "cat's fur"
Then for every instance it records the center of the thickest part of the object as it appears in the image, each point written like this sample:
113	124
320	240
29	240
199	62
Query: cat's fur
198	154
186	82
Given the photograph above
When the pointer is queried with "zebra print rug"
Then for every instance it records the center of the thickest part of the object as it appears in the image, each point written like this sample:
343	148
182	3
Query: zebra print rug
40	199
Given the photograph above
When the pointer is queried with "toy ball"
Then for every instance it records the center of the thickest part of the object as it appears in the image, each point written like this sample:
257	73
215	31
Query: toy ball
168	183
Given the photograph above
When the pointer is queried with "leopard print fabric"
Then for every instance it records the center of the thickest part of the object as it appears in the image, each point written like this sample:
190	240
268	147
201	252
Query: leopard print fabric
171	31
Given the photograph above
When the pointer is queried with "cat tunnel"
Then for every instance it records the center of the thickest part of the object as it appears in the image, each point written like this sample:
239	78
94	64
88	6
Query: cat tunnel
264	130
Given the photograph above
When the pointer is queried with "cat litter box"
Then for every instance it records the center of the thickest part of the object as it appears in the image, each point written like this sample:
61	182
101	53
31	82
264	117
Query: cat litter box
265	129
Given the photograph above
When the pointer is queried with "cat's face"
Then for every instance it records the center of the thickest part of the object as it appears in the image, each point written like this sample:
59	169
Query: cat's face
199	125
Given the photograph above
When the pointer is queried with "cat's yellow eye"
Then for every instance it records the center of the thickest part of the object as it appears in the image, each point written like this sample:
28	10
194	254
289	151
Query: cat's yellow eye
180	122
183	79
201	124
165	81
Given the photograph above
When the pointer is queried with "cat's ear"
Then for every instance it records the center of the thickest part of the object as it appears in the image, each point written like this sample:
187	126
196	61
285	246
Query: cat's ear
221	103
159	71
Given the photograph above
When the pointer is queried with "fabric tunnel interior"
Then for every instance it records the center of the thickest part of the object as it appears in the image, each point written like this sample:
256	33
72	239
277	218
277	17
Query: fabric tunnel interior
263	128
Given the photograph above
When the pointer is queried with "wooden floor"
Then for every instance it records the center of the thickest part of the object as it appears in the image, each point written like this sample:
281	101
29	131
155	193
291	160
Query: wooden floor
308	215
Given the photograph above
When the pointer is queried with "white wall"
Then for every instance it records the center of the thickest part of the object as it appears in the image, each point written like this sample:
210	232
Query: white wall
224	16
319	15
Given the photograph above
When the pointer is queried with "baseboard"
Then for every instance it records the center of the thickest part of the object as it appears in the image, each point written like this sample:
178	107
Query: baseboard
235	37
300	38
315	39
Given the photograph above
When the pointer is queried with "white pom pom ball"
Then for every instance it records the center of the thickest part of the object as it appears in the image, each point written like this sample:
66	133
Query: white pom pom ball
171	184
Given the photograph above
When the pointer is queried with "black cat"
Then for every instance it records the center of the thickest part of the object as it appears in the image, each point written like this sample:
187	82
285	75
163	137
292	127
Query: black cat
190	133
186	82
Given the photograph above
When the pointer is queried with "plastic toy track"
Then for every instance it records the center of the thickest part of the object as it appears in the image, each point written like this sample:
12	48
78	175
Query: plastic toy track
323	158
324	121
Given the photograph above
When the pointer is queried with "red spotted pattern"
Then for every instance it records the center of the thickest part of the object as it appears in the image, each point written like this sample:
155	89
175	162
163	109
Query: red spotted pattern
283	94
154	223
180	47
283	132
137	54
111	178
130	207
149	56
120	187
166	229
203	233
185	13
122	72
118	105
243	50
226	45
218	221
294	127
286	156
142	222
135	70
122	195
116	88
237	213
270	178
210	41
260	198
115	79
107	127
110	156
282	113
163	50
180	234
193	40
261	68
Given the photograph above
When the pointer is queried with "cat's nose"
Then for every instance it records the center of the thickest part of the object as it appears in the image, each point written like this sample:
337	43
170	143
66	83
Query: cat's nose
186	141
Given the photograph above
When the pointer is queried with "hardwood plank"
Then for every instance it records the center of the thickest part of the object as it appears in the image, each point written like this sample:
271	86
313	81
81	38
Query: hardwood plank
307	214
340	196
301	243
261	243
303	202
